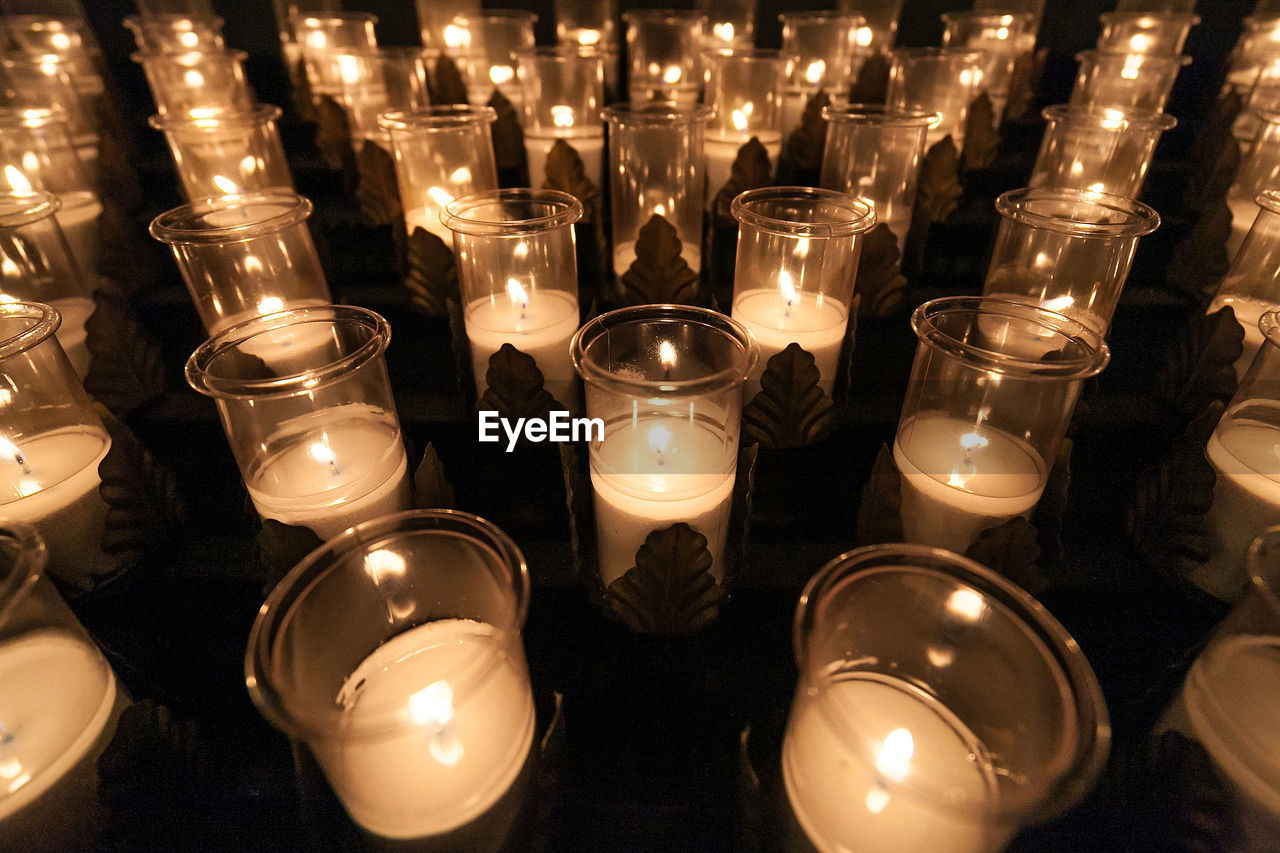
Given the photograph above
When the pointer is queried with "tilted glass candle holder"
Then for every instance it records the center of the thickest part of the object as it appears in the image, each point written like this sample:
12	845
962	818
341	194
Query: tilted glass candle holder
37	265
667	382
943	81
991	393
394	653
939	707
43	83
656	166
1161	34
562	92
370	82
820	50
193	8
306	404
175	33
227	154
37	151
436	24
999	37
874	153
663	46
1034	8
744	90
879	28
1251	286
53	442
244	255
1068	251
1257	45
1103	149
730	23
1258	172
198	83
519	278
587	23
441	153
1126	79
1262	97
43	36
324	37
484	45
798	251
289	15
57	710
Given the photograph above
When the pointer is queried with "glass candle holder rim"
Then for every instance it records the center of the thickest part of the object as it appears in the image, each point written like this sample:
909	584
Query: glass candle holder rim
189	57
969	53
1269	325
459	214
260	114
604	323
437	117
521	15
323	721
1092	723
1092	351
993	15
848	19
1142	118
861	215
1138	218
336	15
655	112
23	207
564	51
747	54
666	15
173	226
1256	22
1268	200
32	555
201	379
398	51
136	23
45	320
1092	54
879	114
32	117
1189	18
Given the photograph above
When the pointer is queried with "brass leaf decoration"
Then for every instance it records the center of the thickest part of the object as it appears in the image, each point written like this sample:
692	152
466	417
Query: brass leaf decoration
1200	260
508	140
378	193
659	274
577	495
937	197
566	172
1211	179
980	137
1052	509
670	590
431	274
1011	549
801	156
1024	84
126	370
1216	128
1199	366
446	85
303	103
515	387
431	488
751	170
333	137
279	547
880	281
791	409
460	345
880	510
873	81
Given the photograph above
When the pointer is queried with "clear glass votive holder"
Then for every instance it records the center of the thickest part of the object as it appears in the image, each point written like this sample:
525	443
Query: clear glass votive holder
943	81
819	49
37	265
879	28
1251	286
1068	251
1258	172
227	154
53	442
518	274
198	83
797	260
562	89
370	82
435	21
730	23
61	37
288	15
306	404
175	33
1034	8
744	90
345	32
991	393
394	653
587	23
667	382
1126	79
657	165
484	54
1156	33
43	83
999	37
1262	96
1103	149
874	153
939	707
58	708
664	48
244	255
1258	44
441	153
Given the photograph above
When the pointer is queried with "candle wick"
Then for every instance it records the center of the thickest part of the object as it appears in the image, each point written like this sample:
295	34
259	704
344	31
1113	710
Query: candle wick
22	461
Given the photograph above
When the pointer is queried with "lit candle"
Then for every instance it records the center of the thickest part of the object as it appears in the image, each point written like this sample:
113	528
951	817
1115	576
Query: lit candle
537	322
744	87
961	478
457	758
781	316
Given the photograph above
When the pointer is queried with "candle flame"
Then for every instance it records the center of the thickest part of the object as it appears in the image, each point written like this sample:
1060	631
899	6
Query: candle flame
1059	303
864	36
562	115
456	36
877	799
439	196
8	448
966	604
189	39
225	185
893	758
787	288
1140	43
432	708
659	438
672	75
973	441
667	355
17	180
1132	65
500	74
323	453
382	564
815	72
270	305
516	293
740	117
724	31
193	78
349	69
588	37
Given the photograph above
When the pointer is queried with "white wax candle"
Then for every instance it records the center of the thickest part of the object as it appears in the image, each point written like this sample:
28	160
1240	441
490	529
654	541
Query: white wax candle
880	801
289	349
331	469
1243	212
722	152
961	478
652	473
1246	501
50	480
55	706
779	316
624	255
589	148
472	729
78	217
539	323
428	218
1248	311
72	335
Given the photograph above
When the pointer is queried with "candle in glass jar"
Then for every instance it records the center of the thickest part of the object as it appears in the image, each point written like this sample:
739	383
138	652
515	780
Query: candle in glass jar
1246	500
1248	311
460	760
650	474
961	478
539	323
78	217
589	148
428	218
840	797
331	469
784	315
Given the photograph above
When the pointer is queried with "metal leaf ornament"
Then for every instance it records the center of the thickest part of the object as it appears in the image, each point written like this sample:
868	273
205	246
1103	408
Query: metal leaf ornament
937	197
431	488
659	274
463	369
565	172
446	86
378	193
880	510
1052	508
431	274
516	387
1199	366
670	589
1024	84
126	369
1212	178
279	547
801	157
508	141
334	136
1201	260
980	137
880	281
751	169
791	409
872	84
